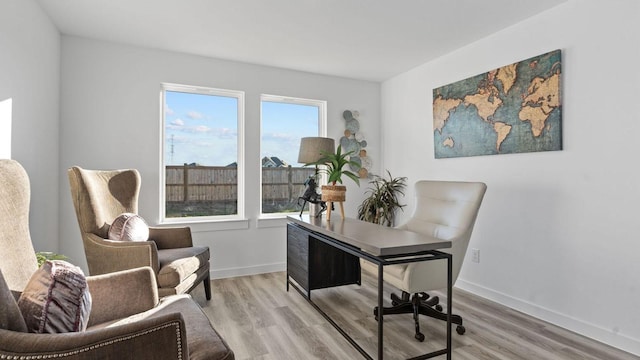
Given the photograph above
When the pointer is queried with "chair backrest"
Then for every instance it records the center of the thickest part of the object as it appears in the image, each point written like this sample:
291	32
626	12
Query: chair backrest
18	259
99	196
447	210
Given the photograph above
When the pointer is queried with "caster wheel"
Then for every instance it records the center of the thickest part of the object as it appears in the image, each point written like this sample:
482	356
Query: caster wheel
438	307
460	329
420	337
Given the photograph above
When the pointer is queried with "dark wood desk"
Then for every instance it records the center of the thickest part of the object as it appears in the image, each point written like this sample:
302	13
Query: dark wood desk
323	253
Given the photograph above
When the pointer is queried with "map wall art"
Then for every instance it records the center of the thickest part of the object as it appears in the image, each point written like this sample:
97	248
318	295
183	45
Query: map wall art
513	109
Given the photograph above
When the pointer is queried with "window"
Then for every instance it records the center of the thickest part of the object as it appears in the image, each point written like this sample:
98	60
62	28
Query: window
284	122
202	152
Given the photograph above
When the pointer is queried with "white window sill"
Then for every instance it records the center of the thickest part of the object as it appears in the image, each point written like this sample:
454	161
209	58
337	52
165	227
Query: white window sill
274	220
211	225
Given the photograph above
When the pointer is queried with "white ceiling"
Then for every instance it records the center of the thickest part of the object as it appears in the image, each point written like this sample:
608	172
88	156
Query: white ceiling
362	39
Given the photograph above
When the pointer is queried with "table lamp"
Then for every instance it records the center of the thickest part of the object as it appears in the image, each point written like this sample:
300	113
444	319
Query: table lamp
313	149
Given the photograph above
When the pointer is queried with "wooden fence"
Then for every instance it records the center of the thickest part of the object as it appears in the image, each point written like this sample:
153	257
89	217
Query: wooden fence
218	183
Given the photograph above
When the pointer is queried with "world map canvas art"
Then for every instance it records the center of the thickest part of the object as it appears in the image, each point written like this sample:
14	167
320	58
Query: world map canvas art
513	109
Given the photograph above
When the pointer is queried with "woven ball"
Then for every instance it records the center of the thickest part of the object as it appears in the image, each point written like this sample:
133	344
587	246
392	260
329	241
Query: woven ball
129	227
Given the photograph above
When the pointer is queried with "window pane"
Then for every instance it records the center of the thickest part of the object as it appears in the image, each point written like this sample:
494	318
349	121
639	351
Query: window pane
283	125
200	154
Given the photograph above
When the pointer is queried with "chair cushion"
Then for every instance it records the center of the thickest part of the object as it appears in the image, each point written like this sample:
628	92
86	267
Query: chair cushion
129	227
177	264
393	274
203	341
396	271
56	299
10	316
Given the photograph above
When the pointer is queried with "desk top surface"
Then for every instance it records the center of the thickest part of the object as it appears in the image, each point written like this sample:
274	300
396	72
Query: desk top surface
372	238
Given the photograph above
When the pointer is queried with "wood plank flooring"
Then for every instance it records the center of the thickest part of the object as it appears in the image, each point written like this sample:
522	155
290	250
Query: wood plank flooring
259	319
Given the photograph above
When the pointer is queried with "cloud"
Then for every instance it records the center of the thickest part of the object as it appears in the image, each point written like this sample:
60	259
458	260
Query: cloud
189	132
194	115
177	124
279	137
202	129
168	110
226	132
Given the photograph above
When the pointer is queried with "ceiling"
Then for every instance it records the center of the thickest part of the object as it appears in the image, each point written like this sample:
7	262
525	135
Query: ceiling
361	39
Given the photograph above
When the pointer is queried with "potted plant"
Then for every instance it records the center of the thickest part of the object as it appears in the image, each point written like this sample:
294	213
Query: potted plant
382	202
43	256
334	167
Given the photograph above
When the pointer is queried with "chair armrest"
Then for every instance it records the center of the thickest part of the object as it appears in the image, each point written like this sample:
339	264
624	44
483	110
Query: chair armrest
161	337
171	237
106	256
121	294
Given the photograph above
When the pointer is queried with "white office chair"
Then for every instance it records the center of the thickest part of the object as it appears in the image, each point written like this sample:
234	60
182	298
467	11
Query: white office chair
445	210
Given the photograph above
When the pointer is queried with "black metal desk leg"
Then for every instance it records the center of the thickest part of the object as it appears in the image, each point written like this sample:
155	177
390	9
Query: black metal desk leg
380	315
449	303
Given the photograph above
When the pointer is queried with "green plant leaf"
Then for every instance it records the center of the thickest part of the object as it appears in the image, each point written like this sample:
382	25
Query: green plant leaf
43	256
383	200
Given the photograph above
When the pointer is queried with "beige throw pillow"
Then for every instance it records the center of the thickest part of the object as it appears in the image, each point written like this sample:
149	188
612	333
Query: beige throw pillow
56	299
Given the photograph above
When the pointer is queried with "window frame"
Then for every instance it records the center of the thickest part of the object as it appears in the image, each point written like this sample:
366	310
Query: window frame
322	132
202	90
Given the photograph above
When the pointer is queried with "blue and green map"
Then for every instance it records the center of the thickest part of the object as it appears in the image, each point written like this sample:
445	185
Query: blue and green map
512	109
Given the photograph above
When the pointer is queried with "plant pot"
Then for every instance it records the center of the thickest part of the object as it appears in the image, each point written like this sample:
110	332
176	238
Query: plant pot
331	194
334	193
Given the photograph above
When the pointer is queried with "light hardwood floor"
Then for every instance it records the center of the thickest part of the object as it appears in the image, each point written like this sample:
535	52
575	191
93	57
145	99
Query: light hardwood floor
261	320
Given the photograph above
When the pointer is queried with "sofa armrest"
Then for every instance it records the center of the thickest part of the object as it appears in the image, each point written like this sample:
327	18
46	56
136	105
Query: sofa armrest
162	337
171	237
121	294
107	256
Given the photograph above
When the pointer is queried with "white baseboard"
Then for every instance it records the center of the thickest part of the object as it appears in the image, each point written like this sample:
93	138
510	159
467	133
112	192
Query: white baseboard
581	327
244	271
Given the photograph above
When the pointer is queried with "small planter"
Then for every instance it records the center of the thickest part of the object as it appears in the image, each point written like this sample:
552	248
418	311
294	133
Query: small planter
331	194
334	193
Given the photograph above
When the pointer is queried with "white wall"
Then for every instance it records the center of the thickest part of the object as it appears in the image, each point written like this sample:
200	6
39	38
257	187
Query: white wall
30	76
110	119
556	230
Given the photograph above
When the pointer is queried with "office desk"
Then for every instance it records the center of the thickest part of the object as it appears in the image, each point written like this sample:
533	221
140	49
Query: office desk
323	253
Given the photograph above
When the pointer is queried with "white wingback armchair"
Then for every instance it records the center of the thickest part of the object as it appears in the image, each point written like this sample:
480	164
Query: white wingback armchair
445	210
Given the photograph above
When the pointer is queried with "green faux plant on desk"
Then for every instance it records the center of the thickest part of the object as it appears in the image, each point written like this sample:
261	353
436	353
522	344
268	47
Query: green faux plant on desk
43	256
334	166
381	204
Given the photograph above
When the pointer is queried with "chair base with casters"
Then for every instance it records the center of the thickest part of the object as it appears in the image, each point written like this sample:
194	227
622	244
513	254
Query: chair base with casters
420	303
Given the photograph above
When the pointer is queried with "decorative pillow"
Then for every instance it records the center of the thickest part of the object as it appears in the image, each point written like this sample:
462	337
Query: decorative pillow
56	299
129	227
10	316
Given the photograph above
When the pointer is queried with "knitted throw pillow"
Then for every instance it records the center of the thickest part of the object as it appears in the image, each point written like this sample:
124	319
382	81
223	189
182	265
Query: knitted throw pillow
56	299
129	227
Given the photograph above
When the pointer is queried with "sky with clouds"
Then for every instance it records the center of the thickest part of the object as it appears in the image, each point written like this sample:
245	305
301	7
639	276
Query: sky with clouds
203	129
